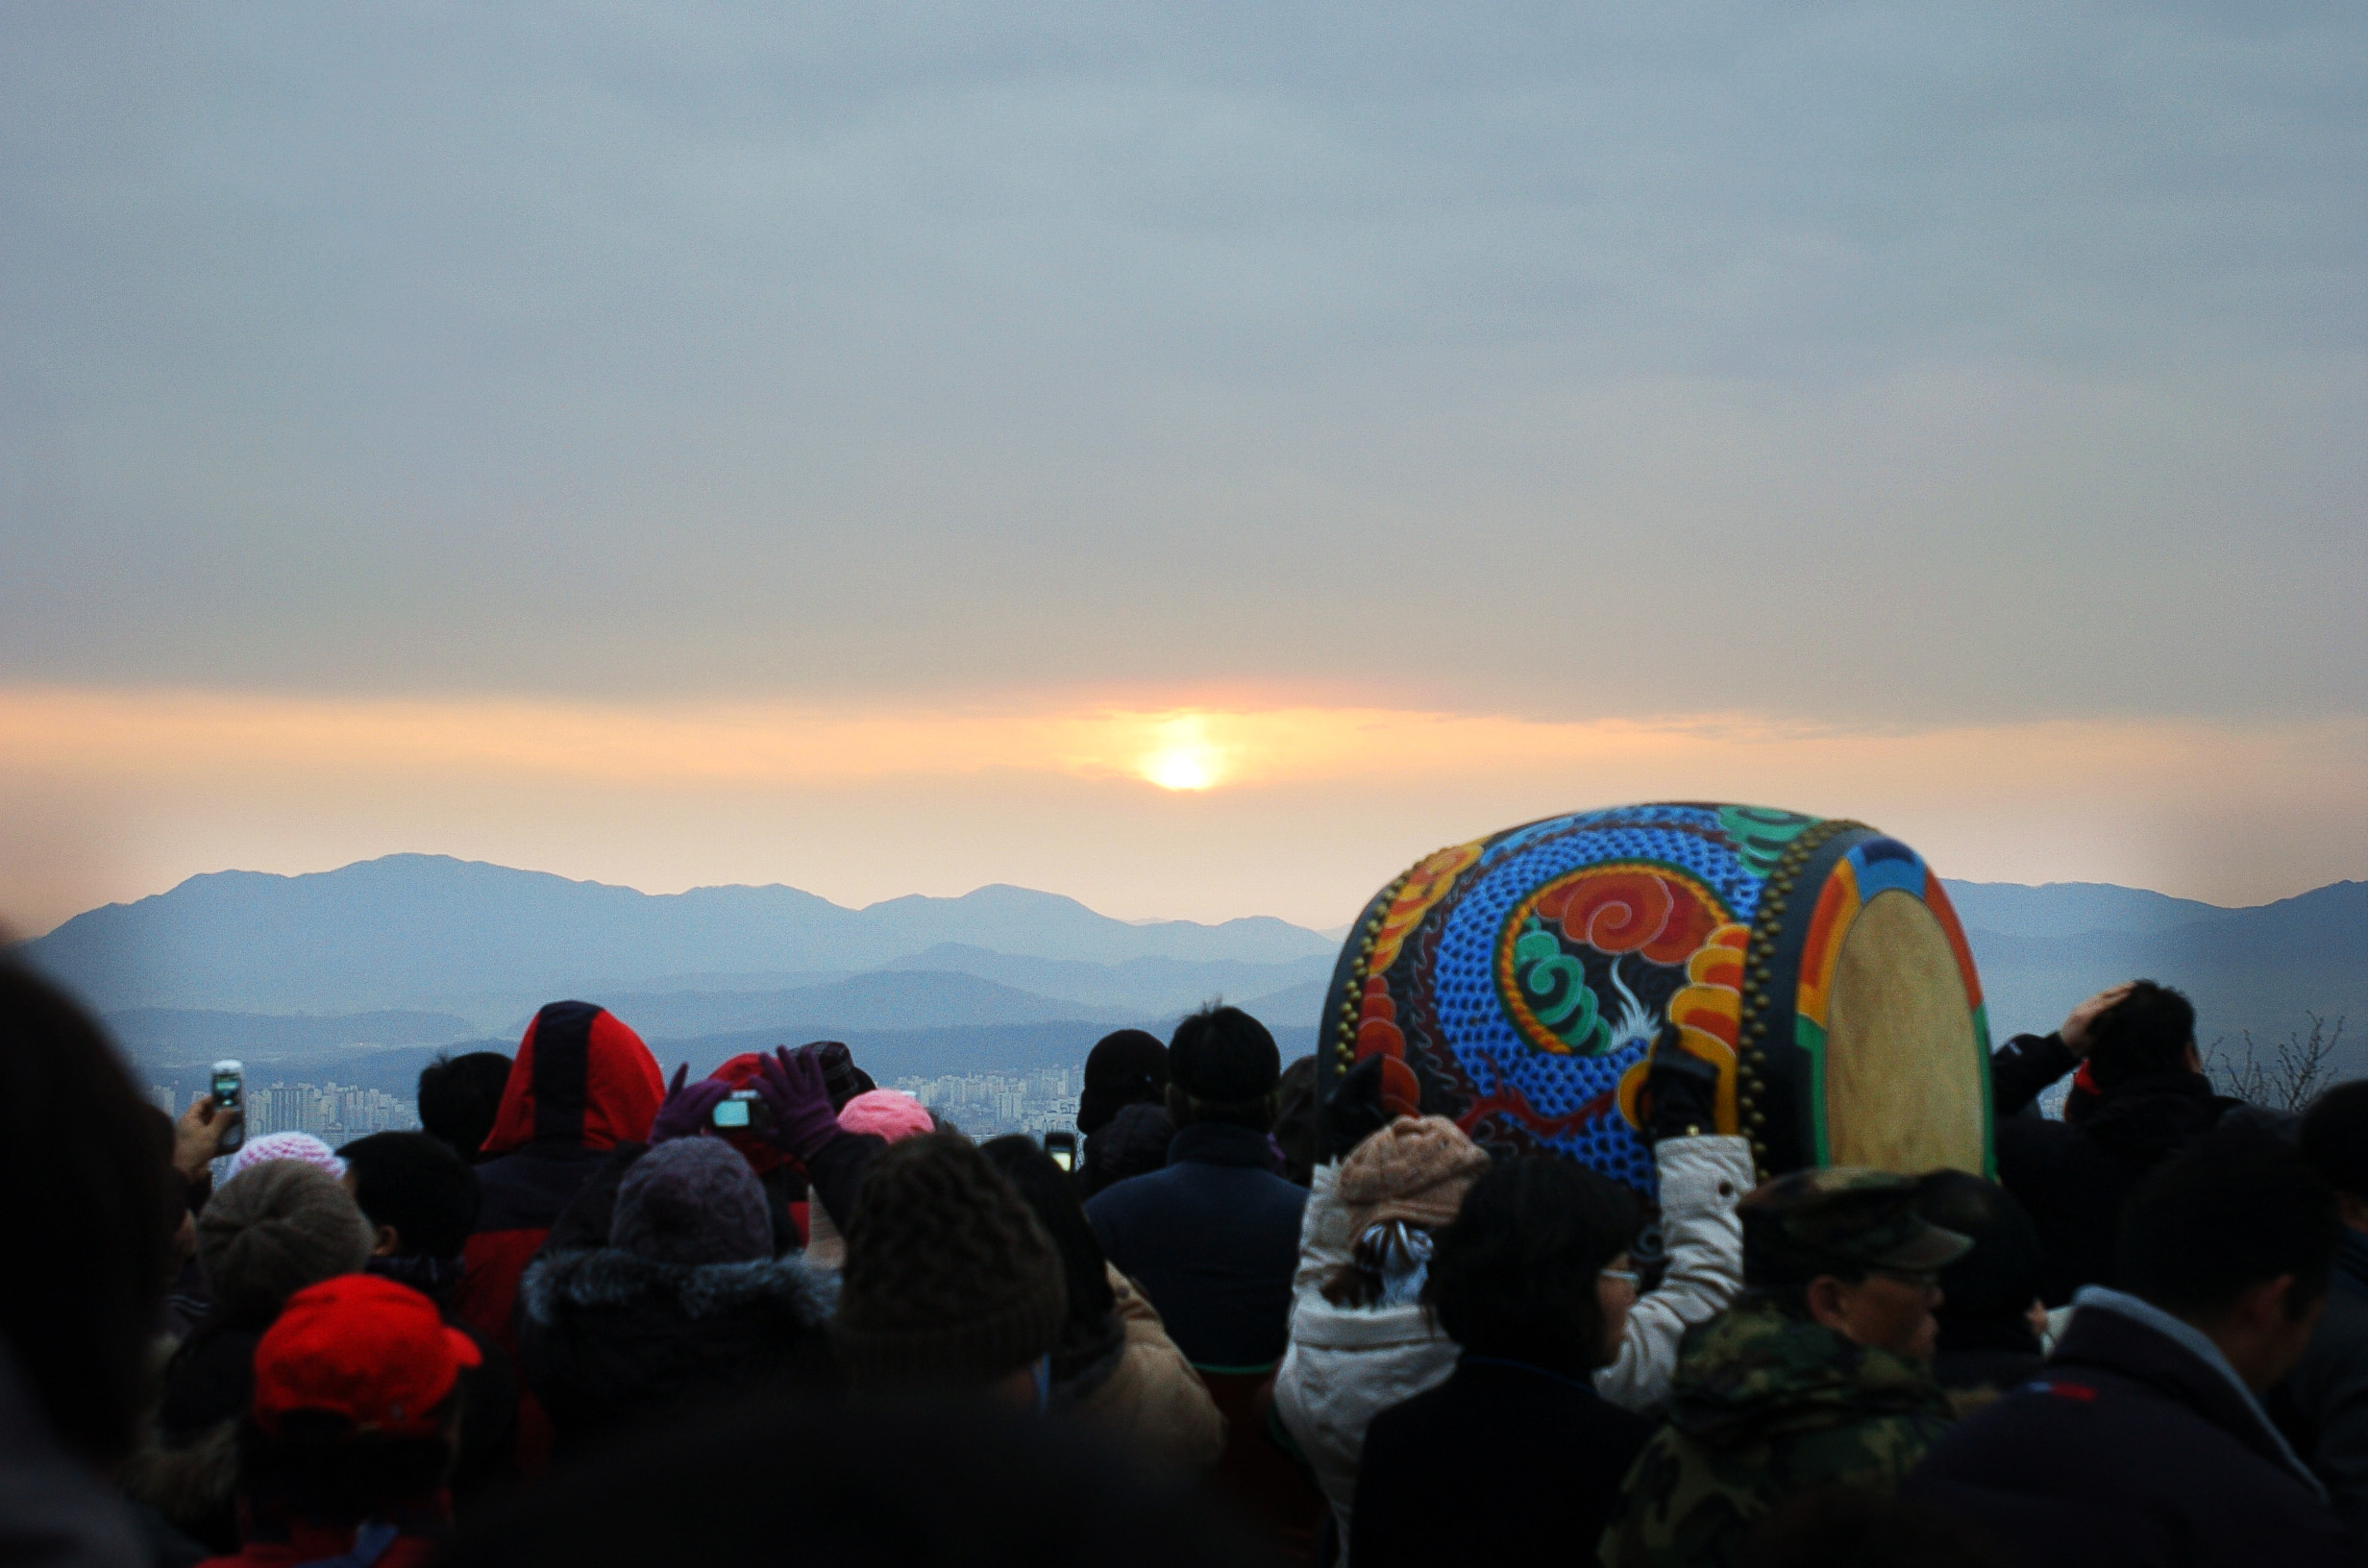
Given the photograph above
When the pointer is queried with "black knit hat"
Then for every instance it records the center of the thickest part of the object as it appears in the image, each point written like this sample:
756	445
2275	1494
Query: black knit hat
950	1278
1223	1055
842	1079
1127	1067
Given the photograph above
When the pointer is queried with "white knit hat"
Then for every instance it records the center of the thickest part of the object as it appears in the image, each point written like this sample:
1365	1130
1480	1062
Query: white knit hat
302	1146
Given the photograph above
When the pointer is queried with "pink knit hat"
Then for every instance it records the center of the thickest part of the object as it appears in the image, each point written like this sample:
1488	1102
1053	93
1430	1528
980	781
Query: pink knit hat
302	1146
890	1113
1417	1170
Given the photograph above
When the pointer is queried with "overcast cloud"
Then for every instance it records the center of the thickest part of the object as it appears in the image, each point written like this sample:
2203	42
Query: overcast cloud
1857	364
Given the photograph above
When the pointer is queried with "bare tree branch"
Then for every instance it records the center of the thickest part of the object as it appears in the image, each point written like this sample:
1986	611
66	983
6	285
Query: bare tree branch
2301	1066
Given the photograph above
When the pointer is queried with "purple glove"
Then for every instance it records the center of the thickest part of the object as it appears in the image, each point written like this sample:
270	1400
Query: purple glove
685	1111
791	1085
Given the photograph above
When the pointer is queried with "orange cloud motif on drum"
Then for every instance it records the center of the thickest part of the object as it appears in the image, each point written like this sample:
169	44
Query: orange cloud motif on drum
1378	1030
1626	909
1431	877
1708	1012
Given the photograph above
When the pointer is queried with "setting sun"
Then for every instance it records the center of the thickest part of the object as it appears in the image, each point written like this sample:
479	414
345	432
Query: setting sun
1183	758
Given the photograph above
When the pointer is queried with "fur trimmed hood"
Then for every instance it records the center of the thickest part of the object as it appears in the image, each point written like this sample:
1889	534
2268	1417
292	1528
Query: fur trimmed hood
613	1279
607	1339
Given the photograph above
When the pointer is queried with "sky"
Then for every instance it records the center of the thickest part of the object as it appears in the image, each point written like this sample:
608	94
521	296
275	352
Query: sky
1197	458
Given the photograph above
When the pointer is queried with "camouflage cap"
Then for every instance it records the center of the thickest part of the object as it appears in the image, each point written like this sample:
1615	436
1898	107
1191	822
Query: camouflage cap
1844	1219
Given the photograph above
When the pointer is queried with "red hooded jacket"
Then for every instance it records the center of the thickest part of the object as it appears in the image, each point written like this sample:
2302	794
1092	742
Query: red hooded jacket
582	1083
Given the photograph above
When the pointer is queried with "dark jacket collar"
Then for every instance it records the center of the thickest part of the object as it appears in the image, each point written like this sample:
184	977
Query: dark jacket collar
1489	1368
439	1279
1221	1143
2149	1116
2119	1333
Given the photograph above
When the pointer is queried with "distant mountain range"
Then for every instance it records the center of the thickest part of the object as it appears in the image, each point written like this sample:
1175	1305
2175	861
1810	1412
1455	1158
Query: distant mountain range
428	931
357	972
2258	969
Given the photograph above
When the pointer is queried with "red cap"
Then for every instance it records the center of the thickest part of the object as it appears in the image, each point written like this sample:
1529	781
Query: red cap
362	1347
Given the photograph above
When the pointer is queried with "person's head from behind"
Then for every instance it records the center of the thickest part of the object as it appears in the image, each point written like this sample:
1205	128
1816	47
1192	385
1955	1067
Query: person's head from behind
887	1113
1846	1248
356	1405
303	1147
2333	1142
1052	1195
1127	1066
271	1231
1374	1092
419	1196
692	1201
951	1283
1222	1067
458	1097
1398	1189
1987	1294
89	1218
582	1079
2149	1031
1532	1267
2235	1235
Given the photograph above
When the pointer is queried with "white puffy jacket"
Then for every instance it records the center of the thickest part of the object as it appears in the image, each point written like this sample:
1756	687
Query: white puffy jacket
1347	1365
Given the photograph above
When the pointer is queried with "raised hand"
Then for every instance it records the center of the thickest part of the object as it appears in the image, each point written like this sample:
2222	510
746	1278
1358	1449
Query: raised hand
2075	1031
1680	1096
686	1108
791	1085
197	1137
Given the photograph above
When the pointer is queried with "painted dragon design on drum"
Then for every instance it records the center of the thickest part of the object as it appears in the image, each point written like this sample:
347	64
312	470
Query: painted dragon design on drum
1525	976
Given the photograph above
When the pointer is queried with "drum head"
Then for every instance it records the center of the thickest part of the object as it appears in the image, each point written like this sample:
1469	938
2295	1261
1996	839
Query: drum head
1904	1086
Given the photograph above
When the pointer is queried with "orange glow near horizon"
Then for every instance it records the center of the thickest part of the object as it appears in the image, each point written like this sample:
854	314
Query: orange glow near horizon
118	735
1306	807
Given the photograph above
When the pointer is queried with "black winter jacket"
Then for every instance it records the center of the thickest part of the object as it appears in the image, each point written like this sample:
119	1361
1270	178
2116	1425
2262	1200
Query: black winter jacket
2074	1179
2323	1406
1537	1457
1213	1239
2130	1451
608	1338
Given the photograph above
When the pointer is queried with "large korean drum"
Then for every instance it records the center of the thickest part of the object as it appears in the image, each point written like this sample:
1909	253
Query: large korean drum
1814	962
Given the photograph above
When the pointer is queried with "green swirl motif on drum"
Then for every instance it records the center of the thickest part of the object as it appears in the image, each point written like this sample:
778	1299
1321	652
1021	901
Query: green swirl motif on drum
1562	999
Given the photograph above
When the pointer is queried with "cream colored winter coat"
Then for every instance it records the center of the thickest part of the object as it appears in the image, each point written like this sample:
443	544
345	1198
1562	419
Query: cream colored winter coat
1347	1365
1153	1401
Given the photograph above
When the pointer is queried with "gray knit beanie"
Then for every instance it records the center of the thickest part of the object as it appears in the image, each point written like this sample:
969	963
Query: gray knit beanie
950	1276
274	1228
692	1201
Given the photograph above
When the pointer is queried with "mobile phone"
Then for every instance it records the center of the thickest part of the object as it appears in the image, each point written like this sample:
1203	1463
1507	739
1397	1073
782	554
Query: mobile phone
741	1110
229	1095
1063	1147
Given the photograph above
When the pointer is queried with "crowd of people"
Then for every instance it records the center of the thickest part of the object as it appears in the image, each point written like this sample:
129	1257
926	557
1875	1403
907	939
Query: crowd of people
779	1314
